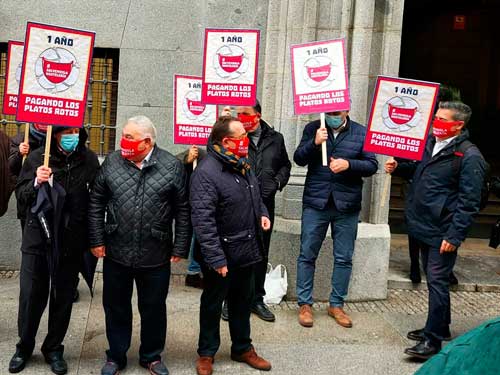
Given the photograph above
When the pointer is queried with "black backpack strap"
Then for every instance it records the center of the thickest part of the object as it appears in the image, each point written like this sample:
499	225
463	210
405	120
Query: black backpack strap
460	151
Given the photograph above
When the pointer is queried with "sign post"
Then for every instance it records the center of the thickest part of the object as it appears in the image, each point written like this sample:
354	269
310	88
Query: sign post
319	78
230	65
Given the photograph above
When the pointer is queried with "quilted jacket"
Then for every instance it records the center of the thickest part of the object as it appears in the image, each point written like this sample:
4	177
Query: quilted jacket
226	210
139	206
345	188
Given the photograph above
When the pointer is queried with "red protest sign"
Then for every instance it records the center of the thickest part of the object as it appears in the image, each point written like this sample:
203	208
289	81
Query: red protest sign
319	77
55	75
230	63
400	117
193	120
12	76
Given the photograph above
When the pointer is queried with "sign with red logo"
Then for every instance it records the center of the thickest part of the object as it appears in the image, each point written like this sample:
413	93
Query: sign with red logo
459	22
55	75
230	63
400	117
12	77
193	120
319	77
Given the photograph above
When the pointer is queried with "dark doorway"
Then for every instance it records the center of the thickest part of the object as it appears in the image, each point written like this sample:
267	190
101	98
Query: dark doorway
455	42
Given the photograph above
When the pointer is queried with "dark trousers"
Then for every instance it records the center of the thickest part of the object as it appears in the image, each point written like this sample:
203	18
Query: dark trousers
261	268
414	250
238	289
34	292
438	268
152	288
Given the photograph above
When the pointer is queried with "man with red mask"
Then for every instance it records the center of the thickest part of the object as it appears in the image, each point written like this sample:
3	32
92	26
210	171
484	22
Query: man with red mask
269	161
443	198
139	191
228	218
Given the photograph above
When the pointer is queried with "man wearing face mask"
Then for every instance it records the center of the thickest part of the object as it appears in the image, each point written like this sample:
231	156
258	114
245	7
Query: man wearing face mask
269	161
73	167
332	197
444	196
140	190
228	217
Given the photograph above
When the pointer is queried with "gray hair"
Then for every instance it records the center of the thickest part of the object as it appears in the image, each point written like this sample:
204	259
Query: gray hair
461	111
145	126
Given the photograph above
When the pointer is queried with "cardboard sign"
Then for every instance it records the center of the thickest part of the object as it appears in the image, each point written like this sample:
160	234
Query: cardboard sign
230	63
55	75
12	76
319	77
193	120
400	117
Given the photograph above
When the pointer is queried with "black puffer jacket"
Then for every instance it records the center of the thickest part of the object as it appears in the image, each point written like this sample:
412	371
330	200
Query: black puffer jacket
345	187
226	211
75	173
15	158
140	207
441	203
269	161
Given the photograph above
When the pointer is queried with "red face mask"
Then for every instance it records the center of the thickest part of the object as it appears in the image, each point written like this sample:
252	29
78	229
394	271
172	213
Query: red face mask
443	129
40	127
248	121
130	148
240	148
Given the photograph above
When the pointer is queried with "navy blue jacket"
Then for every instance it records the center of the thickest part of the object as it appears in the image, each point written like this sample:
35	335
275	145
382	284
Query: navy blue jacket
441	203
321	182
226	211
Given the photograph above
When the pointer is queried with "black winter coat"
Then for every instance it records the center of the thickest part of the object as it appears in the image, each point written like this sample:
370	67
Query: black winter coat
15	158
321	183
5	176
140	206
269	161
75	173
441	204
226	211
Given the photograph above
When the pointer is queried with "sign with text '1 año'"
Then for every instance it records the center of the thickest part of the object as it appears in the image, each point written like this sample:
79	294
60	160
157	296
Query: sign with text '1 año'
193	120
230	63
55	75
400	117
12	77
319	77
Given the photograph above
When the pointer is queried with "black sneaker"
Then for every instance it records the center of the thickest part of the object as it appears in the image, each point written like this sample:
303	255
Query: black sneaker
225	312
263	312
110	368
155	368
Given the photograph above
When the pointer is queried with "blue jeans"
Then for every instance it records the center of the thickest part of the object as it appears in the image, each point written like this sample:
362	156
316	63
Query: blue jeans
193	266
314	227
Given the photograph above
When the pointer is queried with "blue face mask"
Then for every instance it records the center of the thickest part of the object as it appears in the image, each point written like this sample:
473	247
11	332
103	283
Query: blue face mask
69	142
334	122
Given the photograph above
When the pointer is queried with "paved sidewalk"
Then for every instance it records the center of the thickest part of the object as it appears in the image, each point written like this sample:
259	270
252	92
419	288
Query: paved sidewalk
477	267
374	346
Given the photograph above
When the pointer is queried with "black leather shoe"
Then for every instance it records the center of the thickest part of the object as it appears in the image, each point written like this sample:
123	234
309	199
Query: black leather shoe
18	362
57	363
263	312
423	350
225	313
110	368
155	368
418	335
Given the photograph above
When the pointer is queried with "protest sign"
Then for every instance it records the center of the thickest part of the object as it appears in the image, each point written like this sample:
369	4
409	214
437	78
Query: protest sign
12	76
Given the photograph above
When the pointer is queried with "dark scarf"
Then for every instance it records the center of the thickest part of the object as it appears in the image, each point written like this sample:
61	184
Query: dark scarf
240	165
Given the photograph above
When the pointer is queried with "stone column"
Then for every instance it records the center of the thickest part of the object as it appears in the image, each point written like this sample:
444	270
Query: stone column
372	29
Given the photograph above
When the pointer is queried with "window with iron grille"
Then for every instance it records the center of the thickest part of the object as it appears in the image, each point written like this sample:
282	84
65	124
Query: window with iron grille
100	114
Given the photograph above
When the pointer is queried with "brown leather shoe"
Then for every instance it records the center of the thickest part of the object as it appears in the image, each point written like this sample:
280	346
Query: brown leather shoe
251	358
204	365
306	316
340	316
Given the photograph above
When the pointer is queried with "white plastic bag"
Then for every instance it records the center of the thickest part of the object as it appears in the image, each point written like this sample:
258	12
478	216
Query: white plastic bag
276	284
